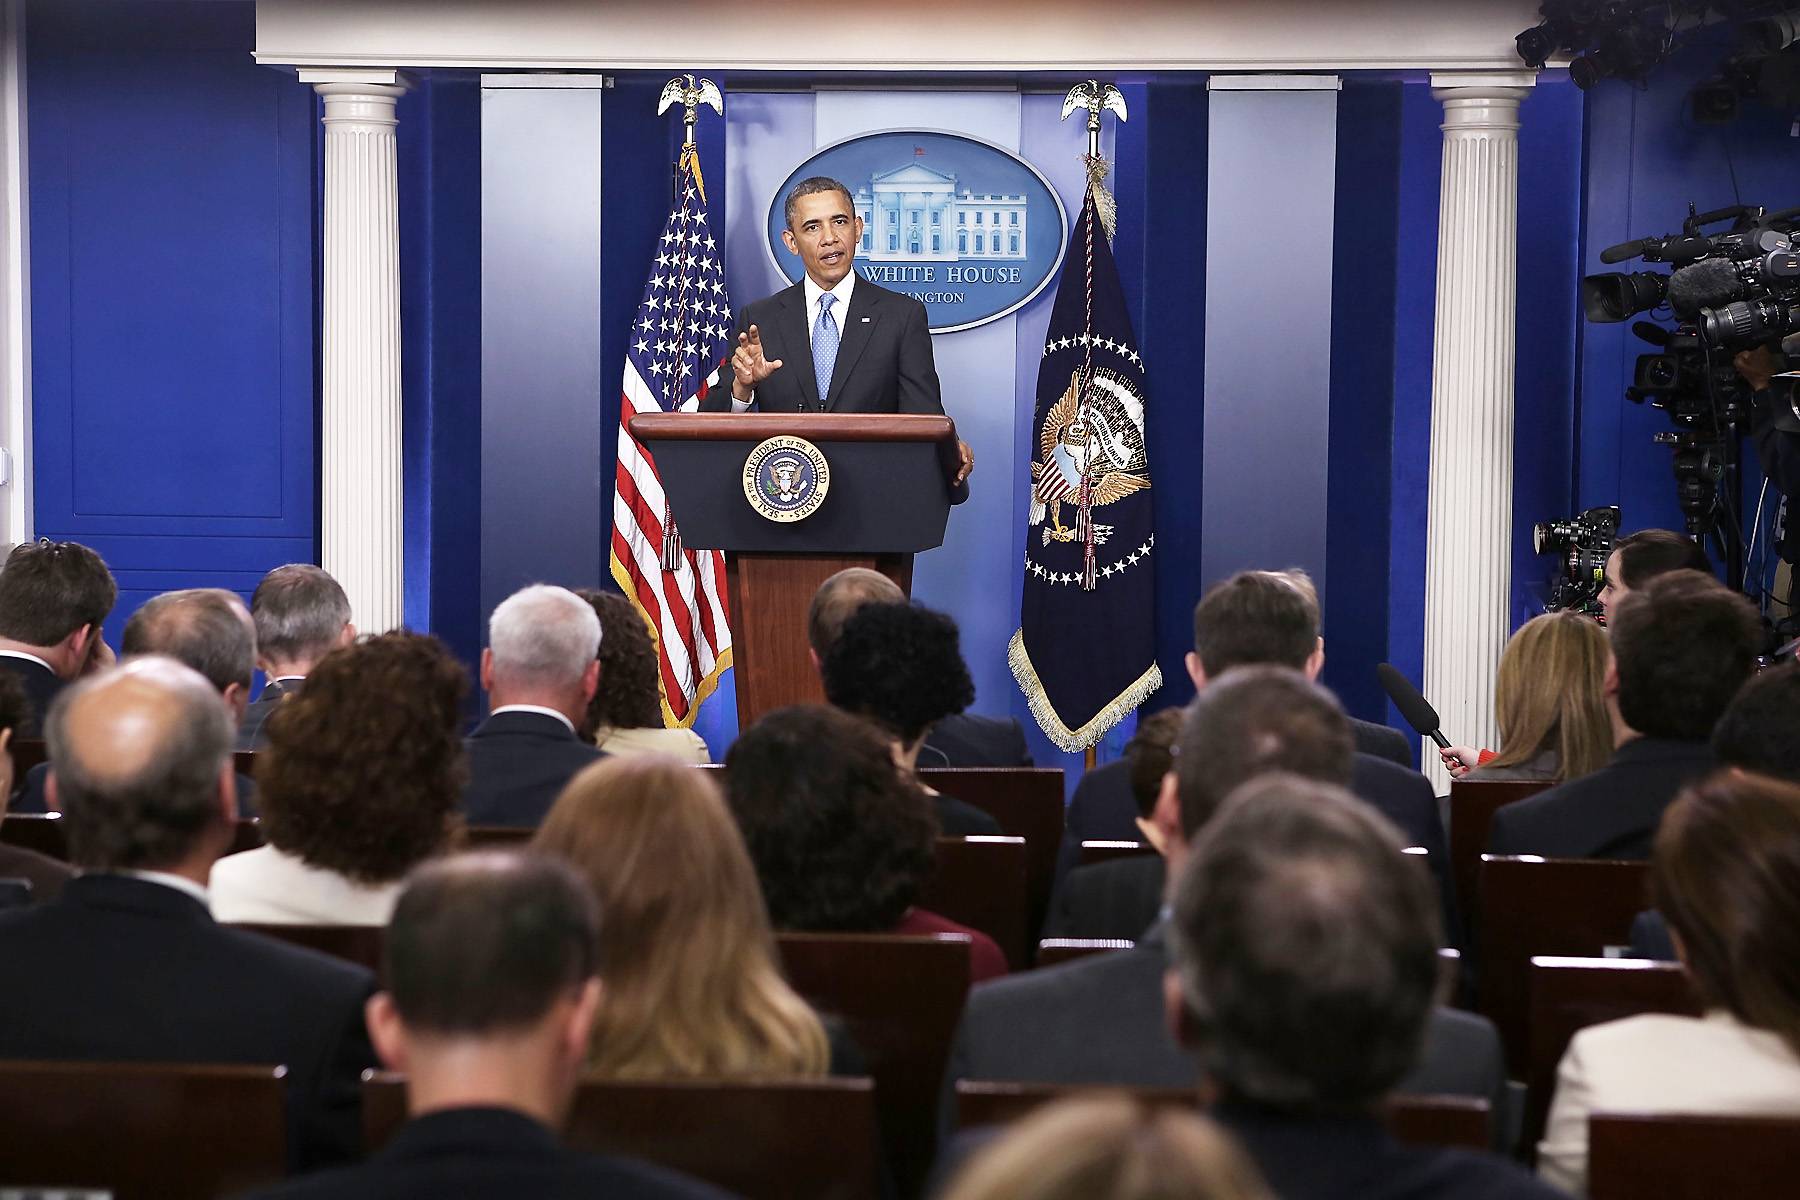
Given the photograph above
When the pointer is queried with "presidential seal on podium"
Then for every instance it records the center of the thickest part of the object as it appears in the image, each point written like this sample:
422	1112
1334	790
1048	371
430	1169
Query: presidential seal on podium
786	479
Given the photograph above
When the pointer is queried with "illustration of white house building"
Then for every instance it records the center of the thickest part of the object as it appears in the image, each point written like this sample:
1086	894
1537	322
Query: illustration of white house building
915	213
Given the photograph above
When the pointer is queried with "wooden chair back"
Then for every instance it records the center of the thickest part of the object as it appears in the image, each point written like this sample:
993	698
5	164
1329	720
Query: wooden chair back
981	882
1531	906
901	999
359	944
762	1139
1460	1121
1028	803
1690	1157
498	837
1569	994
244	762
1103	851
1473	803
141	1131
47	833
1051	951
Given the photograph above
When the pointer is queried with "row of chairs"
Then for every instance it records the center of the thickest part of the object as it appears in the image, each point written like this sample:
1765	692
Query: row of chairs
205	1131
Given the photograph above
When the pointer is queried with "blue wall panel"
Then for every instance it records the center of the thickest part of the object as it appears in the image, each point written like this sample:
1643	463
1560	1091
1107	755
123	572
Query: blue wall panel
171	210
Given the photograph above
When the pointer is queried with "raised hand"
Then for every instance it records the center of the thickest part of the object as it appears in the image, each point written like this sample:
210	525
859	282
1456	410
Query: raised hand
748	366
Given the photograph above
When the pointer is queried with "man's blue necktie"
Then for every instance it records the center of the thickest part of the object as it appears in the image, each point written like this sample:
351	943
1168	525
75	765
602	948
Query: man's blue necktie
824	345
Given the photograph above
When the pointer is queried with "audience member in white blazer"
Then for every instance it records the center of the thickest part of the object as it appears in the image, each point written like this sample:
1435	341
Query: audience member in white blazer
1726	875
626	714
359	784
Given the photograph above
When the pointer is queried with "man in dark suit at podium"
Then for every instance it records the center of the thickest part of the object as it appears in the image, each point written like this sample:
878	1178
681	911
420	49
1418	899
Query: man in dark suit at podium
833	342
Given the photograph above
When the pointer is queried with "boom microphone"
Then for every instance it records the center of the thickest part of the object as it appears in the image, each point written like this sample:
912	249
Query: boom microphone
1414	707
1705	284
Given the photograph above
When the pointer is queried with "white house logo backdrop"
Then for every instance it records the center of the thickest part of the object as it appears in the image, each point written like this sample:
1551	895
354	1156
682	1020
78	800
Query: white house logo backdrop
969	229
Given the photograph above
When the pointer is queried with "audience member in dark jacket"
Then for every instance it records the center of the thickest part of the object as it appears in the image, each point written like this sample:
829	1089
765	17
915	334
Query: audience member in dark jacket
539	671
44	875
129	964
1682	646
1307	966
301	615
900	666
53	598
492	989
972	740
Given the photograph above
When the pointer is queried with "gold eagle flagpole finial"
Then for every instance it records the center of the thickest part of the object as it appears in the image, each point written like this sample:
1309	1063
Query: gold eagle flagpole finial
1094	98
690	93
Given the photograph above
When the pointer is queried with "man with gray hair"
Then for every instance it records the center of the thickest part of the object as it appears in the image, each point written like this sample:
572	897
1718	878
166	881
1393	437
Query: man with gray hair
128	964
301	615
539	671
1305	947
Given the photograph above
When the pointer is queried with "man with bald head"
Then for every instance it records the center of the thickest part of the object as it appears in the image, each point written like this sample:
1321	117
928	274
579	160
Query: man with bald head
128	964
960	740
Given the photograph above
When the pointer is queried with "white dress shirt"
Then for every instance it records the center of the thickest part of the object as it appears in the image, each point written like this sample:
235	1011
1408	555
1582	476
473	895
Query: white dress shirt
841	290
1663	1064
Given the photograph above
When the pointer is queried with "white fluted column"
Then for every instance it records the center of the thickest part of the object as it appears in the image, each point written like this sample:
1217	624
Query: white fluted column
1468	559
362	514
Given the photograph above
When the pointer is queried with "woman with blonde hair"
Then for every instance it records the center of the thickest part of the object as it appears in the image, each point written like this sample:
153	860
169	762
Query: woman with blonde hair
1550	704
1111	1147
688	960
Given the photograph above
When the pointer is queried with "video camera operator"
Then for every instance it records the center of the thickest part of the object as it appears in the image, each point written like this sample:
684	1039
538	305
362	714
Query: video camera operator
1775	432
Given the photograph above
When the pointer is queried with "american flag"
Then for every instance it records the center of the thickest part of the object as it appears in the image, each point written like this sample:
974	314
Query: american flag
679	350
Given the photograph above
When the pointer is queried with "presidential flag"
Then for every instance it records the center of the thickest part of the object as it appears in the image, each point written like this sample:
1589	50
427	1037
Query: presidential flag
679	351
1085	652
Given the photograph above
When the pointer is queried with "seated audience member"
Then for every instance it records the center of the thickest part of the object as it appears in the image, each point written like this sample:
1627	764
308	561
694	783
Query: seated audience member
360	784
1100	1020
693	986
1550	704
842	841
53	598
45	874
626	714
1101	899
1682	645
1119	795
1271	618
128	965
207	629
491	967
900	666
1756	733
1639	557
301	615
1726	874
1110	1148
539	671
957	740
1306	951
1378	741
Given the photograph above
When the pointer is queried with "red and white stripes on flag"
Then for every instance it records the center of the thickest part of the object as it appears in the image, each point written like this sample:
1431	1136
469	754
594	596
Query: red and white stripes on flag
679	347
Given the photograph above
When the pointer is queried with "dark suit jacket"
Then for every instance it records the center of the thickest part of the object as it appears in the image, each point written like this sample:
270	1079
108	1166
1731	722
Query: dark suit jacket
1612	813
1383	741
1116	899
884	362
968	740
1100	1020
34	797
476	1153
250	729
45	874
1354	1158
518	765
1650	937
123	969
41	685
959	818
1101	810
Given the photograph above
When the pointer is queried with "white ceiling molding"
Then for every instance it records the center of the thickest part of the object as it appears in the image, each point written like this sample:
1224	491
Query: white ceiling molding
927	35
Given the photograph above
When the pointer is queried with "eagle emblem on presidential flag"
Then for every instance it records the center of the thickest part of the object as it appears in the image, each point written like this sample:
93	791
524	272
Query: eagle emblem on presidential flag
1102	446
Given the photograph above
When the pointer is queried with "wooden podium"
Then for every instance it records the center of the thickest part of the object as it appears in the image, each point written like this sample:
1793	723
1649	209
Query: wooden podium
889	498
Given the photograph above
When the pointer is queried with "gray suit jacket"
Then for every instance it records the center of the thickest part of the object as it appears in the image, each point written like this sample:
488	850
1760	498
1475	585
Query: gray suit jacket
1100	1020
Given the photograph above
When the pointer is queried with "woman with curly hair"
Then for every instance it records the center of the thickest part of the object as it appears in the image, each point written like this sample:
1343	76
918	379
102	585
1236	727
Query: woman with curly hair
841	839
625	716
692	986
359	784
900	666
